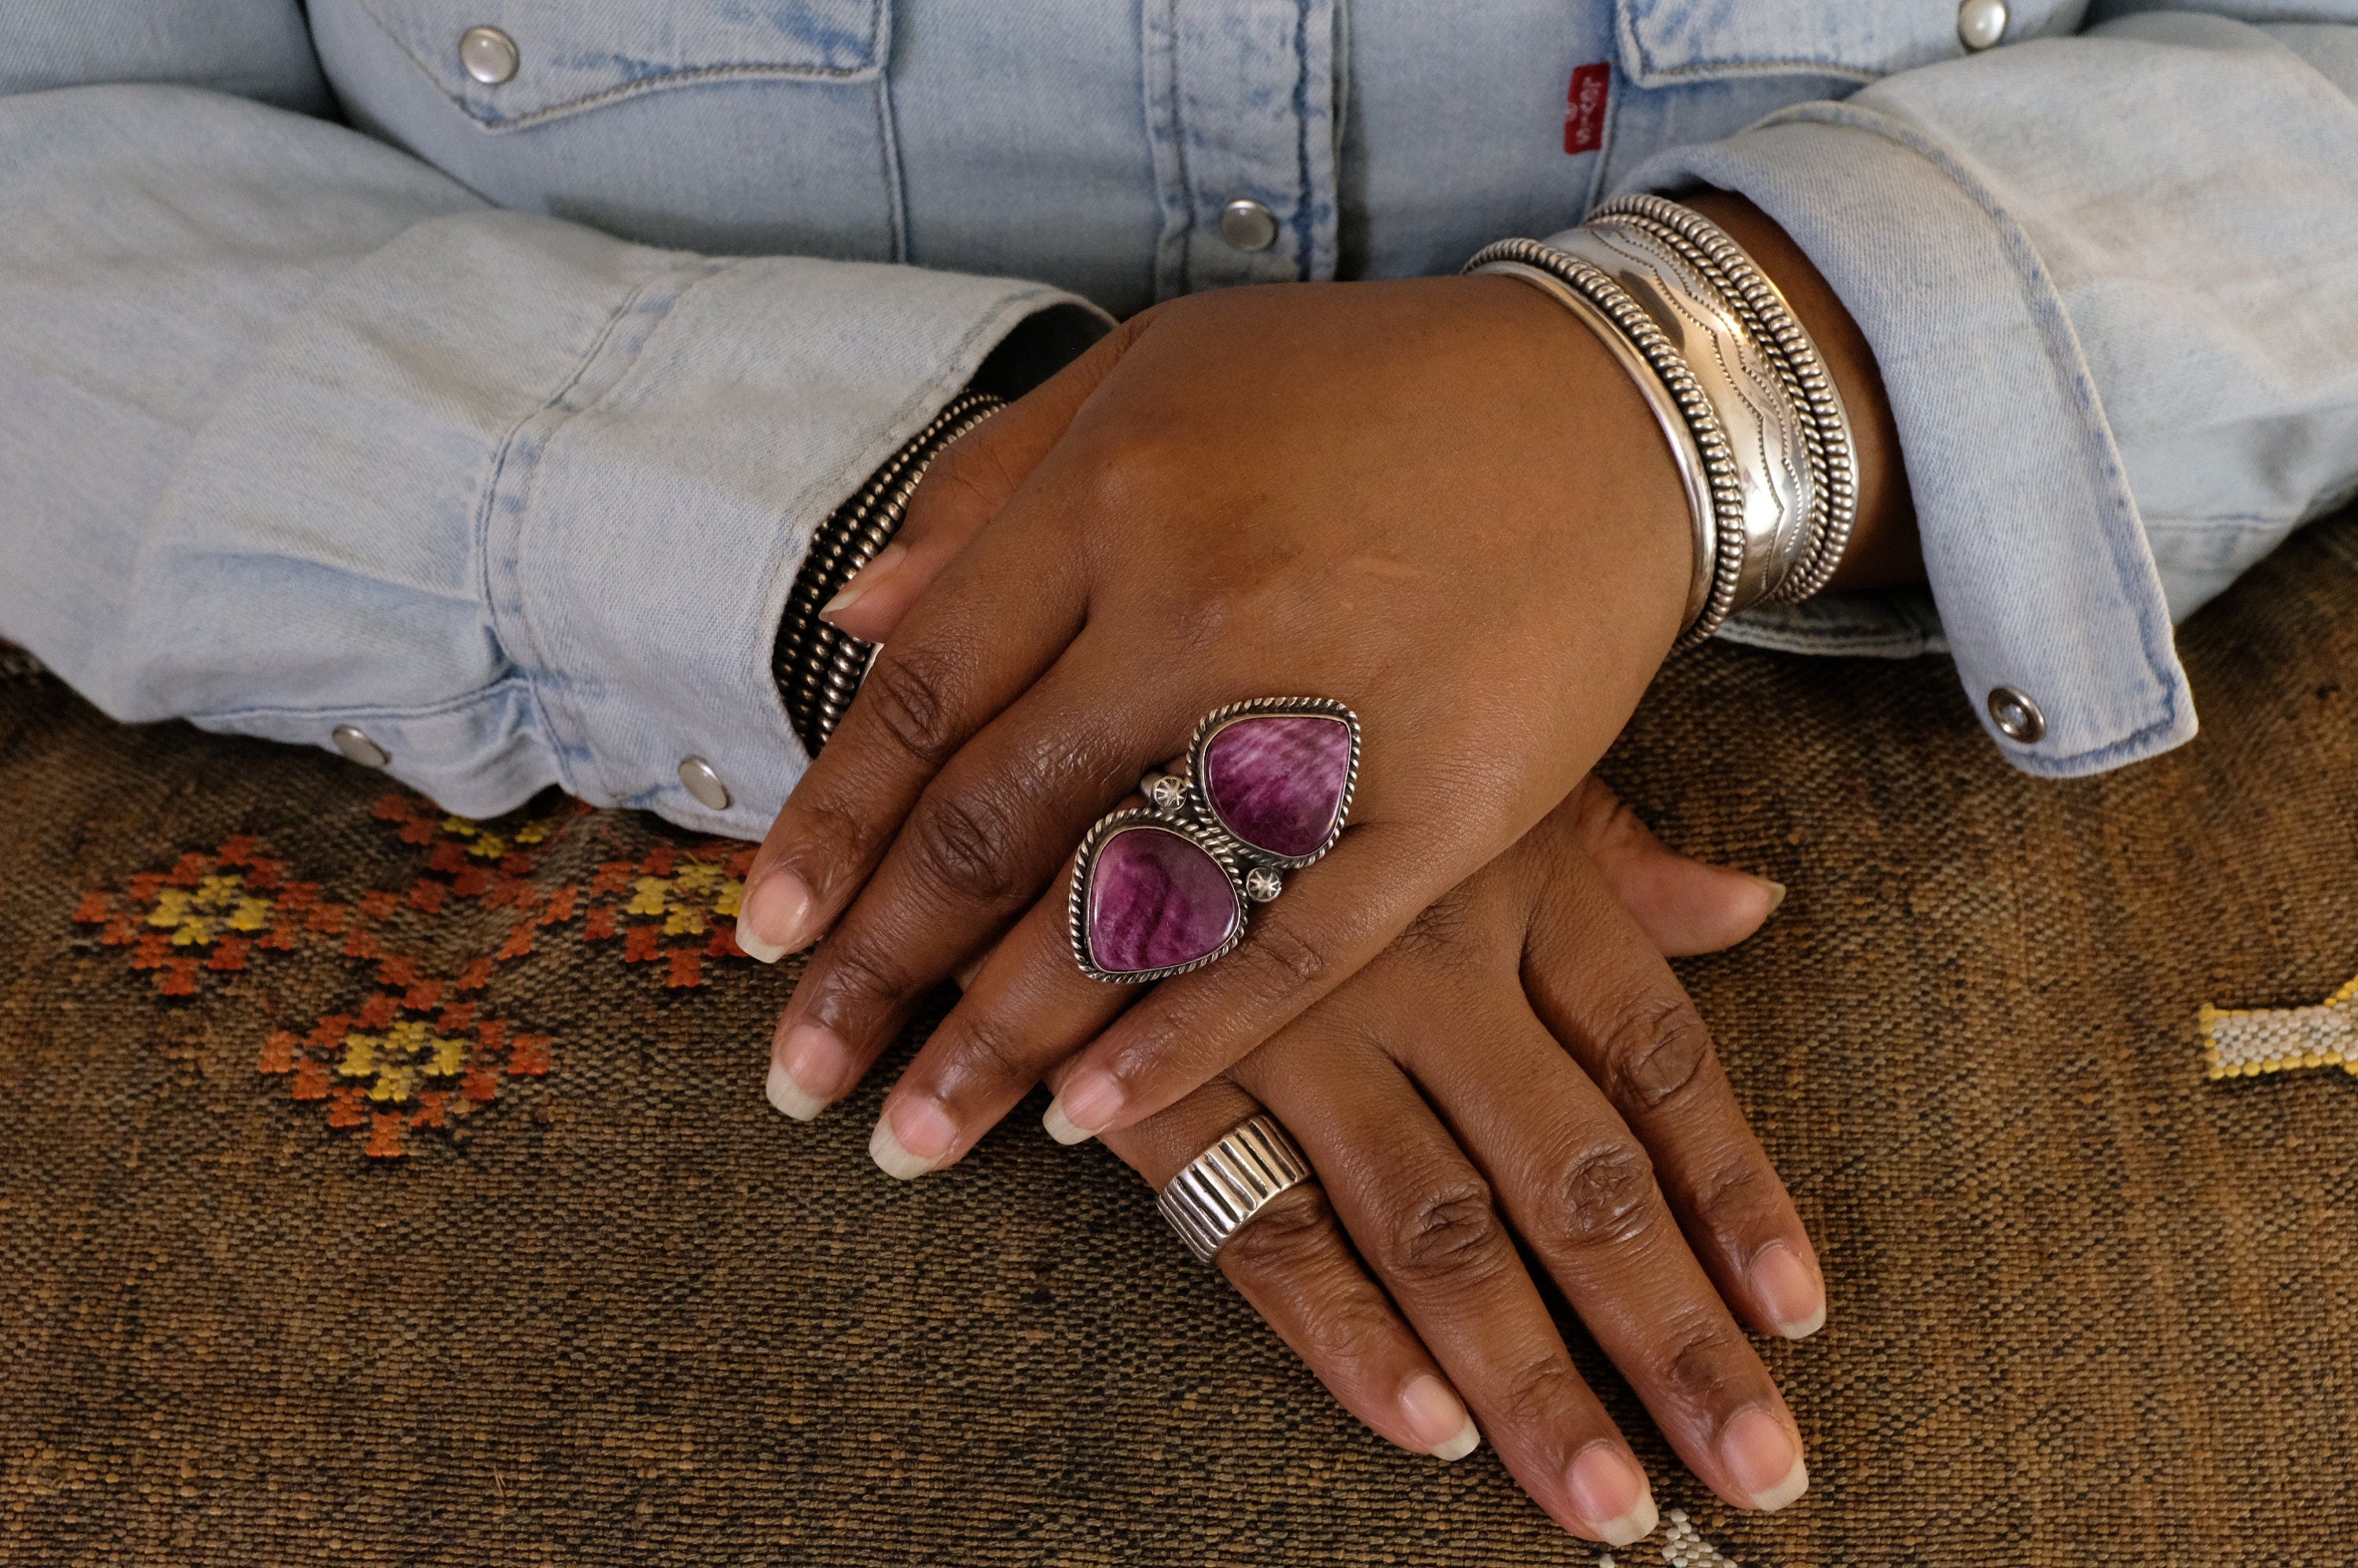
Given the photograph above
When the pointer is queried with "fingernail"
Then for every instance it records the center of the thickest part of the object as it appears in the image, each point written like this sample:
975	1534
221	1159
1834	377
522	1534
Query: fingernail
807	1070
1776	893
912	1137
1788	1292
769	924
1438	1418
790	1096
1764	1463
1090	1100
1609	1491
887	560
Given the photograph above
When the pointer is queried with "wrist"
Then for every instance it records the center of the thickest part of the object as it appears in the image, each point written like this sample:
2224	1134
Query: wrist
1610	455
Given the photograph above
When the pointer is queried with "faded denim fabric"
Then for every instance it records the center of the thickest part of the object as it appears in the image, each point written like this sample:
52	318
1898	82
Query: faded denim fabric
337	386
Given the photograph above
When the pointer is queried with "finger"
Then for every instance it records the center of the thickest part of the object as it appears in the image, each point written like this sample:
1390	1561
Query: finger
1292	1262
986	837
1007	605
1682	904
1579	1189
964	489
1609	997
1333	918
1421	1216
1026	1009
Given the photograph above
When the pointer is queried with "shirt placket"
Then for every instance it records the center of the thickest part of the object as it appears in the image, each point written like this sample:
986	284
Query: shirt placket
1241	111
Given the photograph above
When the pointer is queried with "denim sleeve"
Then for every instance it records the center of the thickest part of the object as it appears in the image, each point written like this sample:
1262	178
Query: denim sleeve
295	432
2112	284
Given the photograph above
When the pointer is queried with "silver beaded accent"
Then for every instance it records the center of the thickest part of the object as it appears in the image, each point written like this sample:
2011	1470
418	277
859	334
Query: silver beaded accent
1261	884
1221	1189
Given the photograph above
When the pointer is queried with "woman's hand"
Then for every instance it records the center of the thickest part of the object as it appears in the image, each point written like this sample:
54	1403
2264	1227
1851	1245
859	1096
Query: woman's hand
1441	502
1520	1065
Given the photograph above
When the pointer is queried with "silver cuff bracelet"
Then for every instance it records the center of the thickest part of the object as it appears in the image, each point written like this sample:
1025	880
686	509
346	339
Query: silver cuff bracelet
1760	439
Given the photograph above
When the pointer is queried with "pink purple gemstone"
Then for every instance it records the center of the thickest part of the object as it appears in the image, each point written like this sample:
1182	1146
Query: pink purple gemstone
1156	900
1277	781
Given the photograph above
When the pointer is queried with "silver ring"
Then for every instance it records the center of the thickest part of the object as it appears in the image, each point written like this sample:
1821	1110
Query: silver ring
1222	1188
1164	889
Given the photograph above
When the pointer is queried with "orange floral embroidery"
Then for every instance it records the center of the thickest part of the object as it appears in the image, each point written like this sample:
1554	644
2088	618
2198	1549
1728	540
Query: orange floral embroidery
408	1058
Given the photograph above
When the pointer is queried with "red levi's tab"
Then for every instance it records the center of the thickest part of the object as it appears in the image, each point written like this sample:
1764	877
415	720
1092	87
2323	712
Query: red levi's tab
1583	107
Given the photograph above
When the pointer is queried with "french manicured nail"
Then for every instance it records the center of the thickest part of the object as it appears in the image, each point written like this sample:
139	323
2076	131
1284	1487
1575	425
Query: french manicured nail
912	1137
806	1072
888	560
1090	1100
1438	1418
1776	892
1788	1291
1609	1491
790	1096
1763	1462
773	920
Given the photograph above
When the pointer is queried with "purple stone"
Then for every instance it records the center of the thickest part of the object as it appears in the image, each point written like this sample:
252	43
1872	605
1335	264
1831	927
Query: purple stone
1277	782
1156	900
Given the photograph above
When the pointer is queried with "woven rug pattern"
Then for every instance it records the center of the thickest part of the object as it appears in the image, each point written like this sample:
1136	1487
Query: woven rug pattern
377	1187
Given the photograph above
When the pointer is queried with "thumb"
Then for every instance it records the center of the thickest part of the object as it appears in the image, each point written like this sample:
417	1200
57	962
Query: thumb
1683	906
964	489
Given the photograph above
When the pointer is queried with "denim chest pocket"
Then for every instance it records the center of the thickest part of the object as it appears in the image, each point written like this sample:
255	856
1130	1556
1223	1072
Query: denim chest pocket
735	125
1667	43
561	57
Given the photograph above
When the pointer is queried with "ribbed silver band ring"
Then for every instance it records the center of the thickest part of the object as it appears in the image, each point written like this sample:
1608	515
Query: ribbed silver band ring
1222	1188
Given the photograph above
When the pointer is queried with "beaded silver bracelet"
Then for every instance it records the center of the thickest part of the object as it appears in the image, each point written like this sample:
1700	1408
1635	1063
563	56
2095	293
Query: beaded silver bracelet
818	667
1714	341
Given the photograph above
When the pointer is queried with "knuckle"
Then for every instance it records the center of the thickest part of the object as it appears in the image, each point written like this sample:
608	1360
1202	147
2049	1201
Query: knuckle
1540	1392
1293	1237
857	973
1292	1255
987	1048
1740	1199
1449	1230
1656	1050
1280	959
910	693
1440	929
1603	1196
843	836
961	842
1704	1362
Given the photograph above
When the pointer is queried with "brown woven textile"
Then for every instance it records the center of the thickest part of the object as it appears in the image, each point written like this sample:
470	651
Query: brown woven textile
591	1302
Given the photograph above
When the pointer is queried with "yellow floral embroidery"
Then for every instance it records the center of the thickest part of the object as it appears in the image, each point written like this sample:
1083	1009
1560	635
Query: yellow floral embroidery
360	1056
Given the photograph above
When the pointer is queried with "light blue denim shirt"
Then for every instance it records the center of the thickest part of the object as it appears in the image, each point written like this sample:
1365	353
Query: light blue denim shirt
338	386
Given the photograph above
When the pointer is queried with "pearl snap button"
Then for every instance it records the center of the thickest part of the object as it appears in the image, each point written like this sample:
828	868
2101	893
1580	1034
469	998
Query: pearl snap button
701	782
354	743
2016	716
489	54
1981	23
1247	226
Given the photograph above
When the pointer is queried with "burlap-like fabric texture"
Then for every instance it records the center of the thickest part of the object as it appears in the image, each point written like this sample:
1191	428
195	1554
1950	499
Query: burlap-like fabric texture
381	1189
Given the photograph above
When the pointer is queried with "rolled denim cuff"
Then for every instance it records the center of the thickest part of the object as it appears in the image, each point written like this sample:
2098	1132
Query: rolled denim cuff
642	550
2038	563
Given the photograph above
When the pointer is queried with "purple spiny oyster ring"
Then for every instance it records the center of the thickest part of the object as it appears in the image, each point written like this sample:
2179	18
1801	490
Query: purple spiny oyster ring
1162	889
